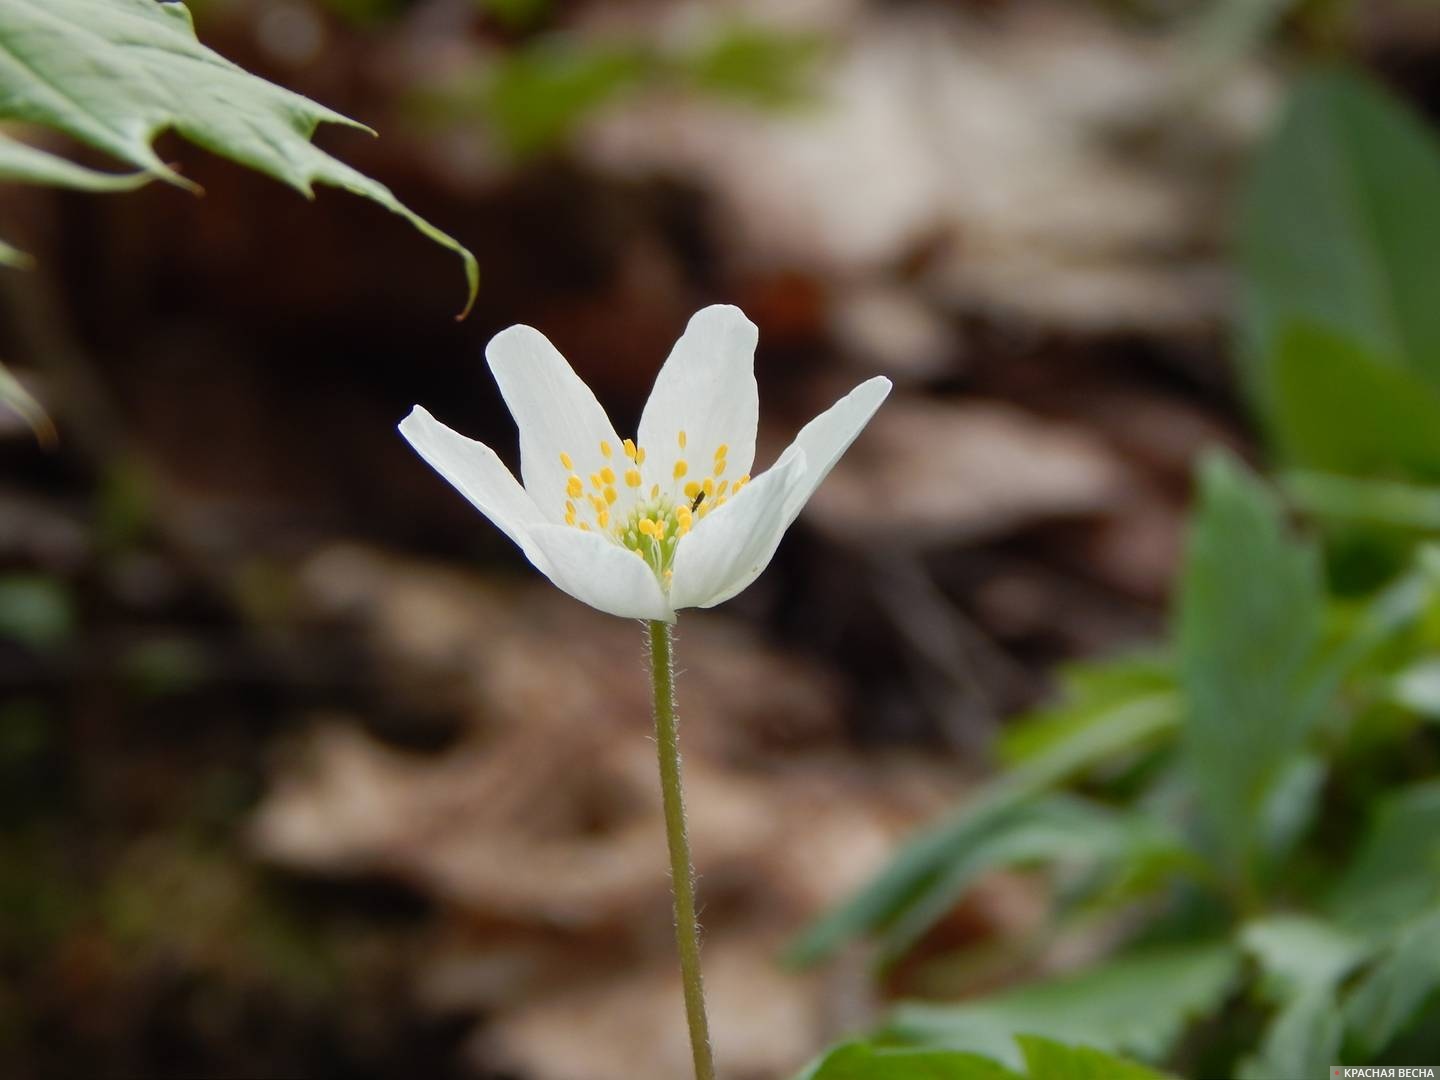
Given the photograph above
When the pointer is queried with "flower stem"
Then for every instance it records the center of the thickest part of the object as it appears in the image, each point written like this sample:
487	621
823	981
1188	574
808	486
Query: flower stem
682	872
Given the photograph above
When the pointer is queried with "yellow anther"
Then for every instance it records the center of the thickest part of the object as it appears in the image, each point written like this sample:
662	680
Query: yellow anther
683	518
632	477
565	460
654	491
682	440
660	529
646	527
692	489
604	449
584	526
608	475
570	506
595	480
719	466
721	489
629	447
596	503
741	483
709	488
611	495
569	513
573	487
603	518
721	451
639	455
681	468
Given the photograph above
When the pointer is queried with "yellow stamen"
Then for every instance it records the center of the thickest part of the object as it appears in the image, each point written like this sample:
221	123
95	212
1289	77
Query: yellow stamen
611	495
692	489
719	466
573	487
721	489
595	480
639	455
632	477
608	475
629	447
682	440
654	491
603	518
709	488
681	468
565	460
721	451
604	449
569	513
584	526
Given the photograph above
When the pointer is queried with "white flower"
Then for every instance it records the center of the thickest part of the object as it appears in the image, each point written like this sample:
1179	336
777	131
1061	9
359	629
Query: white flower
669	520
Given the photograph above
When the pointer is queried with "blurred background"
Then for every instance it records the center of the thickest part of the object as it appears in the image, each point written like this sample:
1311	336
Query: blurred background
306	773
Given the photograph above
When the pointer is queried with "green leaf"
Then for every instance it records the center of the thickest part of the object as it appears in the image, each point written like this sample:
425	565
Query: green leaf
1336	406
925	859
1050	1060
1417	688
1302	960
116	73
1298	951
756	64
1394	991
861	1061
1049	830
1369	501
1303	1040
1396	873
1089	693
1138	1004
1250	611
539	94
1340	226
25	164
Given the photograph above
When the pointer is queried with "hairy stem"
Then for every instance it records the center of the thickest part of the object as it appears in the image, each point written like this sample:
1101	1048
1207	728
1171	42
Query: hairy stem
682	872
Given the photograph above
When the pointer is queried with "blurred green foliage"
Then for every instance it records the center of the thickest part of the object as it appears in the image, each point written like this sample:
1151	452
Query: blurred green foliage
534	95
1256	810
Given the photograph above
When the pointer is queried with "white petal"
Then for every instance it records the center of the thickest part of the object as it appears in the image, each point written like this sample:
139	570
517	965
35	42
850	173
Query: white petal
729	548
707	390
479	475
601	574
555	412
829	435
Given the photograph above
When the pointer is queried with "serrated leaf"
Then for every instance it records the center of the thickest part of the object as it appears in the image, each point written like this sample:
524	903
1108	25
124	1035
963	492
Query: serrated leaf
862	1061
1340	226
1391	995
926	858
1049	1060
1250	609
1396	873
1137	1005
25	164
116	73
